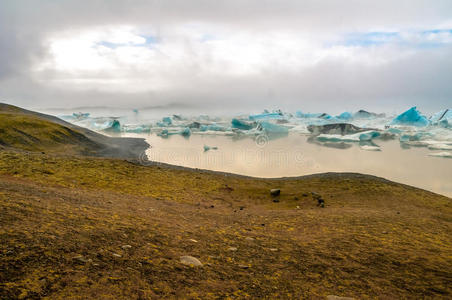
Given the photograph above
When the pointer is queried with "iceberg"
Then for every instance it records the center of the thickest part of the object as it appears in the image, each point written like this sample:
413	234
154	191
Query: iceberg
167	120
271	128
441	154
442	118
357	137
345	116
212	127
337	128
266	116
186	132
136	128
80	115
411	117
440	147
370	148
115	127
207	148
242	124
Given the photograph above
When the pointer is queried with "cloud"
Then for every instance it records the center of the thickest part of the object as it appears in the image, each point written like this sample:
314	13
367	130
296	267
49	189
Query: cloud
316	55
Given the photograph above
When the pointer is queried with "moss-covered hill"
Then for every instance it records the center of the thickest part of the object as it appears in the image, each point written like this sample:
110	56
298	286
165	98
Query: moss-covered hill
75	227
31	131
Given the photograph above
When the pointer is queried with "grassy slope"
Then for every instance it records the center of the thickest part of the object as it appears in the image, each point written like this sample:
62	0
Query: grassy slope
27	132
374	238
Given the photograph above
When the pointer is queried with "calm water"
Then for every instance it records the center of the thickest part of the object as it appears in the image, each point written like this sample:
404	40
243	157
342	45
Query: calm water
294	156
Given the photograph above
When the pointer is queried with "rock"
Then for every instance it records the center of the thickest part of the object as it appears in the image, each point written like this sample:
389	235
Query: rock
244	266
273	249
193	240
276	200
333	297
81	259
117	255
315	195
249	239
232	249
126	247
304	194
190	261
275	192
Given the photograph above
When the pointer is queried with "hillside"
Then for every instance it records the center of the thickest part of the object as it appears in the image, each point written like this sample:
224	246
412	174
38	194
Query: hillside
31	131
80	227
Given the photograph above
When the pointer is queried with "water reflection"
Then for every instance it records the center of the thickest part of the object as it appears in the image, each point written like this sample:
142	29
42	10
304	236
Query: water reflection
295	155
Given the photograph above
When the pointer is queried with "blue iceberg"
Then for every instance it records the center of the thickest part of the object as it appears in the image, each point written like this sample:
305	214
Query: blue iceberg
345	116
442	118
80	115
411	117
115	127
266	116
270	128
186	132
242	124
356	137
212	127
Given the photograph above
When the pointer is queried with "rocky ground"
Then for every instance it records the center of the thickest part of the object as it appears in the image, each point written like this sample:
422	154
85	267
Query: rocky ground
76	227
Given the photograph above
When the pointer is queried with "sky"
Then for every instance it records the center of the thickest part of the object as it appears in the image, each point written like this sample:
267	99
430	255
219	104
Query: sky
309	55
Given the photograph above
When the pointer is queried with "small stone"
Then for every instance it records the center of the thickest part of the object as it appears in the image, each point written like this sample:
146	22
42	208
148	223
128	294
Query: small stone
81	259
242	207
193	240
298	207
385	232
117	255
276	200
244	266
333	297
304	194
232	249
273	249
249	239
190	261
125	247
275	192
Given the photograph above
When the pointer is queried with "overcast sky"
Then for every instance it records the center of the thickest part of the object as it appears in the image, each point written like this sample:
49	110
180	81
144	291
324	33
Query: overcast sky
315	55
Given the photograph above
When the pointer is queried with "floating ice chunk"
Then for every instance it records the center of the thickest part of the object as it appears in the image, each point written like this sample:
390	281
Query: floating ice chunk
369	135
207	148
356	137
370	148
362	114
115	127
440	147
184	132
411	117
442	118
80	115
167	120
242	124
272	128
300	114
212	127
136	128
345	116
410	137
337	128
441	154
266	116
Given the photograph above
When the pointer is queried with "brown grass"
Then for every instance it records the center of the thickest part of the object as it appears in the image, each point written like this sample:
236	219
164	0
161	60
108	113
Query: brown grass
374	238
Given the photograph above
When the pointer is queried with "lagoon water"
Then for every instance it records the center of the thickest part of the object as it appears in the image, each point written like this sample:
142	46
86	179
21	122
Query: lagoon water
294	155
